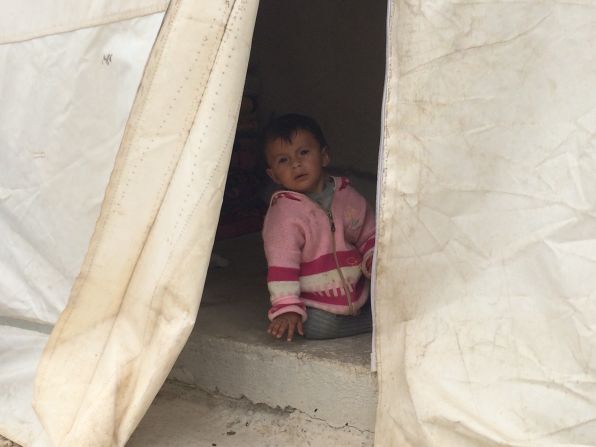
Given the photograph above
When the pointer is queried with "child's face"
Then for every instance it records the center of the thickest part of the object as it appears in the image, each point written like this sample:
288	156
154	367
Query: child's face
297	165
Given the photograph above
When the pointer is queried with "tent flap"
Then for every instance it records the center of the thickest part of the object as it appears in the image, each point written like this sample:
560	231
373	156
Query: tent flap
134	303
486	305
65	101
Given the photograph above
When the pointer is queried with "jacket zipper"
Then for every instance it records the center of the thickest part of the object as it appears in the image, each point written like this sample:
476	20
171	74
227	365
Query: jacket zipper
341	275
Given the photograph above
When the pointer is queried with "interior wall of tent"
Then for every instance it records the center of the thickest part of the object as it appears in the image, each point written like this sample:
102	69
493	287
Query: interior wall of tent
325	59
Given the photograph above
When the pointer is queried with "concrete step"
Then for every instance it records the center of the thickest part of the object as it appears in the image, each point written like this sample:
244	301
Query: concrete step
230	352
184	417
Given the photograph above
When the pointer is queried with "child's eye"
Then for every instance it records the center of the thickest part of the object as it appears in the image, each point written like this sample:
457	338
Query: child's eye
304	151
282	160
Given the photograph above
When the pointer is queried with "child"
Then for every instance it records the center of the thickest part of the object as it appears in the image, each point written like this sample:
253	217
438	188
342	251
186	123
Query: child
319	236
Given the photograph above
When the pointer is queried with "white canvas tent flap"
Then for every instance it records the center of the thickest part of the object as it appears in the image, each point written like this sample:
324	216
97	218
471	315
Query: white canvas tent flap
486	310
63	115
20	351
65	101
135	300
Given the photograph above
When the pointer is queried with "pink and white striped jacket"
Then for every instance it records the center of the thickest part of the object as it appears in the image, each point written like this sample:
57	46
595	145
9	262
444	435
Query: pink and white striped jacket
311	263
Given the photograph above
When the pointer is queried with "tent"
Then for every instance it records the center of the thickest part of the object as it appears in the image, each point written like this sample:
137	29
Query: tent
116	127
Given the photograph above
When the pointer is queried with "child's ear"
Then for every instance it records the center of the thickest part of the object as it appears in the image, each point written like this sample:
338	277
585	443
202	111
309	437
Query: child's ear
326	156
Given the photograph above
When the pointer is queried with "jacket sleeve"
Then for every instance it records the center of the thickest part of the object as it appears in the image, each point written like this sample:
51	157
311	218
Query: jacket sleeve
283	237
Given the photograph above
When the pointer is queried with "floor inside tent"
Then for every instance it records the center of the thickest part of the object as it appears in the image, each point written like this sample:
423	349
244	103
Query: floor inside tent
235	304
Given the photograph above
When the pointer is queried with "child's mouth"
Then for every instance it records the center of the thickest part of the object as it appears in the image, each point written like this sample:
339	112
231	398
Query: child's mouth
300	177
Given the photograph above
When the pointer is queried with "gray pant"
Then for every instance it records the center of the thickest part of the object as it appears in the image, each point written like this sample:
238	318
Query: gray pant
321	324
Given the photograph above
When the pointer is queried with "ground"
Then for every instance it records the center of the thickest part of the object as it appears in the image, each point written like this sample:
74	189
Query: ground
183	417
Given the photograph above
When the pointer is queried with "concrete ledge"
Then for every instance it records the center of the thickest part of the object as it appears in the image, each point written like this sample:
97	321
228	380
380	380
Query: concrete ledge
341	393
230	352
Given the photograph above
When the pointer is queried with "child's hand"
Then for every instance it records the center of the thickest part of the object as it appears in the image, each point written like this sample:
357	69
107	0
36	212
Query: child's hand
290	321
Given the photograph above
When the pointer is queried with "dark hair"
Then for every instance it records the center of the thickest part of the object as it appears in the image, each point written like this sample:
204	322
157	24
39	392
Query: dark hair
285	127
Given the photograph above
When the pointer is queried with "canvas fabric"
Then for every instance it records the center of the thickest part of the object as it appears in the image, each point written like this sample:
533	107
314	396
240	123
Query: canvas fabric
142	262
485	273
65	101
31	19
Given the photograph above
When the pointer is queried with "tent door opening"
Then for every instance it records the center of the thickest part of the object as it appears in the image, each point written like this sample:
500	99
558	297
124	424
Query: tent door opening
325	60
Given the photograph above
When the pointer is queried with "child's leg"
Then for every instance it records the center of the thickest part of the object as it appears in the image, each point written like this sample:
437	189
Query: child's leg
321	324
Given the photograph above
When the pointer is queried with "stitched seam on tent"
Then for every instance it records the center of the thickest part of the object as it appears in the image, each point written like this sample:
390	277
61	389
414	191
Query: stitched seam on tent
27	325
158	281
89	23
174	243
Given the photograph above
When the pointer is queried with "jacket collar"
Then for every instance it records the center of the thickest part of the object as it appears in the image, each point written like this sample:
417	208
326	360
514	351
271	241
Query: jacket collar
339	182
